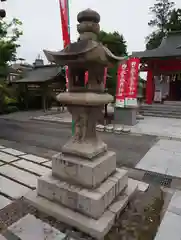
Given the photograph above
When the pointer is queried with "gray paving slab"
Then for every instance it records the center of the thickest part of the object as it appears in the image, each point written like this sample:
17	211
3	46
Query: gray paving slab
11	188
163	127
48	164
170	227
1	147
34	158
4	201
7	157
175	203
29	228
1	163
19	175
33	167
164	157
12	151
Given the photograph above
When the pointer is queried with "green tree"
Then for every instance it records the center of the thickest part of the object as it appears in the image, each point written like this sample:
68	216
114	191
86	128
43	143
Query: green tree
161	12
9	35
117	44
174	23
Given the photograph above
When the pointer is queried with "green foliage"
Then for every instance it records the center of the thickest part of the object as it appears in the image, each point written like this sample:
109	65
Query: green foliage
117	44
174	23
114	41
7	98
161	12
9	35
154	40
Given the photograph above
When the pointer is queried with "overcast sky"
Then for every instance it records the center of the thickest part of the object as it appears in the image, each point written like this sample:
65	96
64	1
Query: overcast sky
42	26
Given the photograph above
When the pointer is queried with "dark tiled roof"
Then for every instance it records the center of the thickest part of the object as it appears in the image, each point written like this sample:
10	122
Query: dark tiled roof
170	47
41	74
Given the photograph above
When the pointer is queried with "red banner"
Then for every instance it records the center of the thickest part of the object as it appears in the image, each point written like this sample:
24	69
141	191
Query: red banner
64	20
132	81
121	84
65	28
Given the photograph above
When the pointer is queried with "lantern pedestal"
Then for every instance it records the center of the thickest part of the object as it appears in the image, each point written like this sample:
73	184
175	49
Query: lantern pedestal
125	116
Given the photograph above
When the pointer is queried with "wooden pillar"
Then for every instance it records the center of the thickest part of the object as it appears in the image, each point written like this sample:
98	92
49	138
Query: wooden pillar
149	87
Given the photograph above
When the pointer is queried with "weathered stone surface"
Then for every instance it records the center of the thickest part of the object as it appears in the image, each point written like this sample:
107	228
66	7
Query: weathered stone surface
170	227
1	163
12	151
1	147
87	149
175	206
86	173
7	158
4	202
12	188
47	164
19	175
29	228
33	167
126	116
89	202
34	158
95	228
122	200
142	186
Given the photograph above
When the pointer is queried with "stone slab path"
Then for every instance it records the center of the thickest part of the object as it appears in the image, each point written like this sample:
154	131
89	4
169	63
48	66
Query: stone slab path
164	158
162	127
170	225
18	173
29	228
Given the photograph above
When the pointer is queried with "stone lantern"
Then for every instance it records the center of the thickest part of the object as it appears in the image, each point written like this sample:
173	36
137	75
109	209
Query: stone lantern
85	189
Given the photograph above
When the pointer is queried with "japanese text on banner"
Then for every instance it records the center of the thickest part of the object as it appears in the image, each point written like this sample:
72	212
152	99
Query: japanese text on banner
132	82
121	84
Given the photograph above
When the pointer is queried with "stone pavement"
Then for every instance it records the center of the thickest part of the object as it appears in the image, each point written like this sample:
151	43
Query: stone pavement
164	158
155	126
170	225
18	173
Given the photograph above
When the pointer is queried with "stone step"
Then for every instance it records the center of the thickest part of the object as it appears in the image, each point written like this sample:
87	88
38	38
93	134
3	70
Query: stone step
90	202
162	109
162	112
84	172
161	115
96	228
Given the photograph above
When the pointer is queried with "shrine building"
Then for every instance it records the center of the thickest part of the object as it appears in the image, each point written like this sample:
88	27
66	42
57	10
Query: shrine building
163	67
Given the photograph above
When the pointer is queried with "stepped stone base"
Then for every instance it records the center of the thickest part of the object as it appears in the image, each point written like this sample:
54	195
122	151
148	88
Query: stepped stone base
96	228
91	202
84	172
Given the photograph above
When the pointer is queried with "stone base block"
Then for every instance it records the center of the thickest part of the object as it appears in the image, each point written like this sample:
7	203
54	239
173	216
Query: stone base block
95	228
126	116
88	174
85	149
89	202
